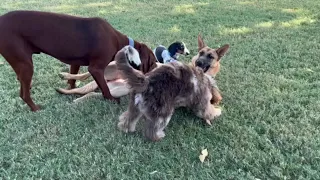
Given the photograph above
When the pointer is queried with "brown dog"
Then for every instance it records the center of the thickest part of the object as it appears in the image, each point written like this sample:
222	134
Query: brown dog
155	96
118	87
77	41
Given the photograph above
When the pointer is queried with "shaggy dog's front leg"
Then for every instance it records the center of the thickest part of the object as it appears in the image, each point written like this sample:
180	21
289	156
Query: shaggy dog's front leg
128	119
154	128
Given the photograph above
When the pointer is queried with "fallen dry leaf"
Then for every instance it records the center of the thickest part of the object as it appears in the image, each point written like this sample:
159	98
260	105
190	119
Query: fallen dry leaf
203	155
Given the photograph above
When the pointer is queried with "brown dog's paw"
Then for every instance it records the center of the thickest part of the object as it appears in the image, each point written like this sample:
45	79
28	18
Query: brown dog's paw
116	100
35	108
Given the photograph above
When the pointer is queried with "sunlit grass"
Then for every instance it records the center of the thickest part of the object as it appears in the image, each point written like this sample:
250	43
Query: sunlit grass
187	8
269	128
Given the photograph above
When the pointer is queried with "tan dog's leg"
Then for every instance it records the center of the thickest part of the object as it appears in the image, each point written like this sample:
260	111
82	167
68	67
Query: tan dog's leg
111	73
82	90
87	96
216	97
68	76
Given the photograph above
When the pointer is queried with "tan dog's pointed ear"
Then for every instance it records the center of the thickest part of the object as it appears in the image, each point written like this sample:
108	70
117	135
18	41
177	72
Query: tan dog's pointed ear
222	50
201	44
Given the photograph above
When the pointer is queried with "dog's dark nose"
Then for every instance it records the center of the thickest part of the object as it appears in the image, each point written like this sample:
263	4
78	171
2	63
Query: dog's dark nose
199	63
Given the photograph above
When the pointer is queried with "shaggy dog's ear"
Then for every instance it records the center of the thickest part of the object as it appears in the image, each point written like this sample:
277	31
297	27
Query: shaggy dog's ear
148	59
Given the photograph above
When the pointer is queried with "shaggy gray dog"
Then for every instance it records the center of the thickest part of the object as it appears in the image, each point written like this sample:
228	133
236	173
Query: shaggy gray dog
155	96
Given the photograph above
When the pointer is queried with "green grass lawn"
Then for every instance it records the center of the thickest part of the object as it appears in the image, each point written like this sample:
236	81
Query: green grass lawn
269	128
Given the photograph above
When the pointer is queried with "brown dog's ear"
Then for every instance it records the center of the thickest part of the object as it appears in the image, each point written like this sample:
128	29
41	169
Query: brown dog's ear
148	60
222	50
201	44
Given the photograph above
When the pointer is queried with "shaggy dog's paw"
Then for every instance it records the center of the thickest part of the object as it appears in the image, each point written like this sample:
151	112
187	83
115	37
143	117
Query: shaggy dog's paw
123	122
217	112
122	126
160	135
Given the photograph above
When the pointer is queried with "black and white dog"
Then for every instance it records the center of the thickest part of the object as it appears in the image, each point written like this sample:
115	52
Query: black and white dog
164	55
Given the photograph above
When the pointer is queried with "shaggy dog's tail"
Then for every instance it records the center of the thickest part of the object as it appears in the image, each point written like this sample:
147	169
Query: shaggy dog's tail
135	79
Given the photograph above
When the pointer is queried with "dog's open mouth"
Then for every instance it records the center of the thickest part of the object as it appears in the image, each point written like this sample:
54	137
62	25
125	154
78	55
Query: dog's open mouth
205	69
204	66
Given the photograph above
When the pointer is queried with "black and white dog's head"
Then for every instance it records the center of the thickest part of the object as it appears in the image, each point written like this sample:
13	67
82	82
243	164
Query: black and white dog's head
178	47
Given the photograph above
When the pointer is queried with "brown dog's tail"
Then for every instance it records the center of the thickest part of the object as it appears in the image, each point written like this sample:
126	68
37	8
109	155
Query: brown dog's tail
135	79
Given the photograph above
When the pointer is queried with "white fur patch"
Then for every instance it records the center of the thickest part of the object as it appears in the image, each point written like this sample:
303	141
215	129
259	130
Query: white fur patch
185	49
138	99
134	56
194	81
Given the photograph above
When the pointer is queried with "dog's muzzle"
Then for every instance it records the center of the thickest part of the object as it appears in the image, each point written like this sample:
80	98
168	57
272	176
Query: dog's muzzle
186	51
203	64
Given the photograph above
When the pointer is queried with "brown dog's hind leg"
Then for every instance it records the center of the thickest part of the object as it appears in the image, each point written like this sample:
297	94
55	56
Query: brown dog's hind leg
24	69
25	80
74	69
21	61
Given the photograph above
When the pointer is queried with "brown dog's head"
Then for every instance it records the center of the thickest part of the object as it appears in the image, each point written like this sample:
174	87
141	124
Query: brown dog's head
148	60
207	58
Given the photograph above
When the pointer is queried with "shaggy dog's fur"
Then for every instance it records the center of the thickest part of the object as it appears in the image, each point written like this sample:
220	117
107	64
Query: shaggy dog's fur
155	96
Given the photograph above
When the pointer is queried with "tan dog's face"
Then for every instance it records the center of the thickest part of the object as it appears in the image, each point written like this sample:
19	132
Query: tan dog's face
207	58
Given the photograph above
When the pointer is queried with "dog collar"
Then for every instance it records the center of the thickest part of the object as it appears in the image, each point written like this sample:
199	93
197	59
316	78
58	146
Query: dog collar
131	42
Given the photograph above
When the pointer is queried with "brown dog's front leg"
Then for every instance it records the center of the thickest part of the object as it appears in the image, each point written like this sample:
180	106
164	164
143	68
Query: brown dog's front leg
74	69
98	76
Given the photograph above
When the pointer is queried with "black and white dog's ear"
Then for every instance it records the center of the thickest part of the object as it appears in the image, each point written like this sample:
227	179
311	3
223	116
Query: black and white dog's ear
185	50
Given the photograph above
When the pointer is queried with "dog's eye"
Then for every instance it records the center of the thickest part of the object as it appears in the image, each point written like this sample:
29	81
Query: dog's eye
201	53
210	56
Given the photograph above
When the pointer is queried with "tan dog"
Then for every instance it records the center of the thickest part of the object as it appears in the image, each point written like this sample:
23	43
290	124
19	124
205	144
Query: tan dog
112	76
118	87
207	58
155	96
